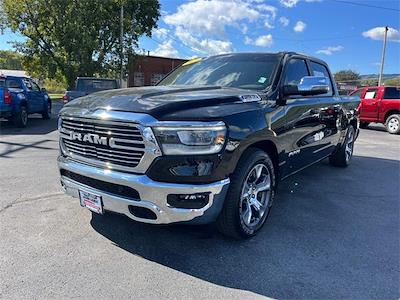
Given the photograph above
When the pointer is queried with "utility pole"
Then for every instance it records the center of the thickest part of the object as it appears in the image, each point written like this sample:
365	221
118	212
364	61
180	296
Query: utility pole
383	57
122	43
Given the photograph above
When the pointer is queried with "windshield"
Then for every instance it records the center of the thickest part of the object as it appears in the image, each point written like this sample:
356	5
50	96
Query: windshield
247	71
95	84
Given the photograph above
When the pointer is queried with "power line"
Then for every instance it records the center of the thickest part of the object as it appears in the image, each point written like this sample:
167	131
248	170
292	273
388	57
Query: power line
366	5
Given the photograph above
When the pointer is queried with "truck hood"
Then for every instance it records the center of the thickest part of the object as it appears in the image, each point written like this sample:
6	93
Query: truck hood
169	102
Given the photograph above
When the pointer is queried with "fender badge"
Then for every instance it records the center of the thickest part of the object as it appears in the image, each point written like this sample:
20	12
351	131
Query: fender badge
250	98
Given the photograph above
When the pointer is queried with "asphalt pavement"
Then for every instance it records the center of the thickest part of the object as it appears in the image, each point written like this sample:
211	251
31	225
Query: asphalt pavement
332	233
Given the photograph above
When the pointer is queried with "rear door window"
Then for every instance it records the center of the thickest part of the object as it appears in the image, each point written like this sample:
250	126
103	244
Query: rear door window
371	94
28	84
391	93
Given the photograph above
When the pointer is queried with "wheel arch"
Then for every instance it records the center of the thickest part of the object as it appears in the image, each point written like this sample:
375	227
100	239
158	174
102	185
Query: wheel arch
391	112
270	148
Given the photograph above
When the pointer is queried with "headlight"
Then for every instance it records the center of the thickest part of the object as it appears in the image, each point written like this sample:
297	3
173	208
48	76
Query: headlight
194	138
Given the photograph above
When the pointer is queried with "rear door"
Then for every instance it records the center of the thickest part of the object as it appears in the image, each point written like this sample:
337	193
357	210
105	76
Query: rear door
38	96
369	104
31	97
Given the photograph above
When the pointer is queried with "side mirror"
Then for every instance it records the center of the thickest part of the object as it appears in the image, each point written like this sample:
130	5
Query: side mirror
43	90
308	86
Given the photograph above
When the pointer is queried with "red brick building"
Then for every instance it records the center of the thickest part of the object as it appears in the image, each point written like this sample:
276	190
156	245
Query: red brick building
148	70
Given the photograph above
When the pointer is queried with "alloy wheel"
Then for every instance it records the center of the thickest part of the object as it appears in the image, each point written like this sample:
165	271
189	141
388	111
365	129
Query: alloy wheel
255	196
349	145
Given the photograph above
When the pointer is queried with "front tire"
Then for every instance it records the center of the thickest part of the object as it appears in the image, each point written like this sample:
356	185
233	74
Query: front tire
393	124
20	119
364	125
343	155
250	196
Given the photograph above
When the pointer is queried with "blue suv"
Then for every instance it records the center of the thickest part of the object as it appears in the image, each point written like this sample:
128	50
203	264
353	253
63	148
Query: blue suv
21	96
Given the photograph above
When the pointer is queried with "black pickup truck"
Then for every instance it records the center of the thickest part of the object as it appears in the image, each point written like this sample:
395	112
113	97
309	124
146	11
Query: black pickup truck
209	143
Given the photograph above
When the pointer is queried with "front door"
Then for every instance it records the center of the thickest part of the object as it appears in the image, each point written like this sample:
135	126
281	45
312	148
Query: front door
303	125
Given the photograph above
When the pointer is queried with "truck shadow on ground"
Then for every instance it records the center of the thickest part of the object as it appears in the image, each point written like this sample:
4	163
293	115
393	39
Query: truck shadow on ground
329	231
36	126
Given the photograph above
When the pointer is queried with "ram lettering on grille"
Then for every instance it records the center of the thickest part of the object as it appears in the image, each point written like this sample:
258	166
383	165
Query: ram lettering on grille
117	144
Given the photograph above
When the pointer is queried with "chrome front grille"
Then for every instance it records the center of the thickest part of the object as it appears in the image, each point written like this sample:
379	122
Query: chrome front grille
116	145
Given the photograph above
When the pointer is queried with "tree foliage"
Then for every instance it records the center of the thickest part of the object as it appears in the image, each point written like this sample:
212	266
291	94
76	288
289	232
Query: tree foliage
395	81
73	38
346	75
10	60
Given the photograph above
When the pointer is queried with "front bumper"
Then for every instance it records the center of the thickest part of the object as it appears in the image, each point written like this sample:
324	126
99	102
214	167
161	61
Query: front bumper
153	194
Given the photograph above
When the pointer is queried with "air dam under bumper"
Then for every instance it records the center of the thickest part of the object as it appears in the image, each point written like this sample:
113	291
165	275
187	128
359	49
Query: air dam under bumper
153	194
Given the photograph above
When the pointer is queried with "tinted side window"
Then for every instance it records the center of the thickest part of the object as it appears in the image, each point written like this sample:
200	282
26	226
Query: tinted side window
296	69
392	93
35	87
28	84
320	70
13	83
356	93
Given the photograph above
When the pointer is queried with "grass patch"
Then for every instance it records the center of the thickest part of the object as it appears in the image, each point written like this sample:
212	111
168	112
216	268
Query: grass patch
56	97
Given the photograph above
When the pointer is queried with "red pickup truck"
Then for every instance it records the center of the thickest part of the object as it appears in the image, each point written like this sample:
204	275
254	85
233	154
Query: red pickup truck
380	104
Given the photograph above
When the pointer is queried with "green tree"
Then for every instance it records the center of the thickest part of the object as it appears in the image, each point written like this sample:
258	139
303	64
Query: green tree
393	81
73	38
369	82
346	76
10	60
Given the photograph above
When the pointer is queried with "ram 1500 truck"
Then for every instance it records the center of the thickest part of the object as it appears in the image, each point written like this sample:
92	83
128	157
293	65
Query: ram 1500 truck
87	85
380	104
21	96
208	143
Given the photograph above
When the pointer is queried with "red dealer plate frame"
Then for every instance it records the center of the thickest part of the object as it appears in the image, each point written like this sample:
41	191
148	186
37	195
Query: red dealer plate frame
91	201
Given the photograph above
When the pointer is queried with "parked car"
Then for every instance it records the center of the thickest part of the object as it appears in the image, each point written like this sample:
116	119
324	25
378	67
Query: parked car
209	143
380	104
87	85
20	97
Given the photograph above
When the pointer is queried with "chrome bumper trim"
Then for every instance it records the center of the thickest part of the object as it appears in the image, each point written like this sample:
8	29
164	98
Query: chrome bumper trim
153	194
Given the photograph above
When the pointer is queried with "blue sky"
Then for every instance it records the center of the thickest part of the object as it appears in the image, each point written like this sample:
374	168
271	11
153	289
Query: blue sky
346	34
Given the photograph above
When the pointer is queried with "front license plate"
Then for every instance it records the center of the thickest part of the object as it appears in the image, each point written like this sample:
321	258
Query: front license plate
91	201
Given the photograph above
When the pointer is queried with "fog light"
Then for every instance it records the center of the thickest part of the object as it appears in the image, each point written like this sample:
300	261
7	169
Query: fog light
194	201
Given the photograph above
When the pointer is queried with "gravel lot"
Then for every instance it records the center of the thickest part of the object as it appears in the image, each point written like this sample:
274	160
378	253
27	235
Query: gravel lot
333	233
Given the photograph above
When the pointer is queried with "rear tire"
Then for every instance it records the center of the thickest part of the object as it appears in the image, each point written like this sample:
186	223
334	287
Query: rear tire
20	119
363	124
343	155
393	124
250	196
46	114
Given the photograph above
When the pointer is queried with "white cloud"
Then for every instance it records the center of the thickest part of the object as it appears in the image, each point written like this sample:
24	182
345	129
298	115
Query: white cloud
300	26
378	33
330	50
202	24
206	46
211	17
289	3
160	33
293	3
284	21
261	41
165	50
